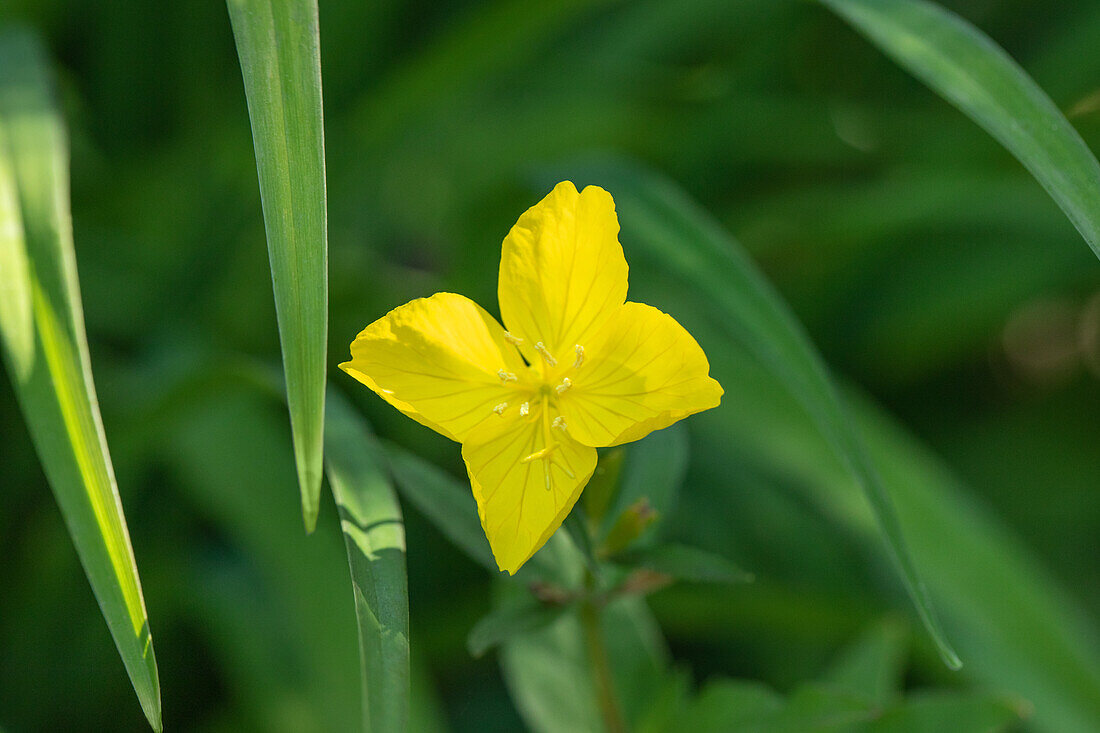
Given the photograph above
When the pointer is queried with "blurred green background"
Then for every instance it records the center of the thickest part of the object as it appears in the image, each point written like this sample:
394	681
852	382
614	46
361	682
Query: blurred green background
928	267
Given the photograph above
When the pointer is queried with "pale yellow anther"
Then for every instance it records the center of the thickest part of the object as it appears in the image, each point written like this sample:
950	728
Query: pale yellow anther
541	348
559	423
566	383
580	356
499	409
524	409
512	339
506	377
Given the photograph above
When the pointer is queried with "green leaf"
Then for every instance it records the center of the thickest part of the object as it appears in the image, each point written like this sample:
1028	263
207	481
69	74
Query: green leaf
549	674
662	225
446	502
682	562
872	667
653	470
509	621
577	527
970	71
374	534
940	711
279	48
46	351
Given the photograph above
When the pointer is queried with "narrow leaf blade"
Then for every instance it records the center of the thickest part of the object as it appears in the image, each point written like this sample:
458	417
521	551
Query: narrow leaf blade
46	351
279	48
374	534
965	67
661	224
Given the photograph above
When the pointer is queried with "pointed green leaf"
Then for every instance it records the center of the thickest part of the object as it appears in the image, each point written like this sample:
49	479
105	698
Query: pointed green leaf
969	70
661	224
374	534
279	47
46	352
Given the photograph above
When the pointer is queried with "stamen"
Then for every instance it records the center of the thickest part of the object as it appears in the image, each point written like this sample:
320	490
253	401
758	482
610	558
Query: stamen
541	348
566	383
499	409
559	423
568	472
524	409
580	356
514	340
544	453
506	377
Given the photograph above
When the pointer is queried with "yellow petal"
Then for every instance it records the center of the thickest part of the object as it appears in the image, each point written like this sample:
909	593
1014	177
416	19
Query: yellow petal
562	272
518	512
439	360
642	373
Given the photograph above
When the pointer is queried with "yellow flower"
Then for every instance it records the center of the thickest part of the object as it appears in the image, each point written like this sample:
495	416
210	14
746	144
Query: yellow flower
579	368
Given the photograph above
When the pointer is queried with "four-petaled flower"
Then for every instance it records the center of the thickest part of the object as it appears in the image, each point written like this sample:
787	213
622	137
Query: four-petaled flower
579	368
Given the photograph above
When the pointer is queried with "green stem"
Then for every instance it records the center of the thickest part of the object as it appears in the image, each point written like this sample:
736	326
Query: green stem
601	668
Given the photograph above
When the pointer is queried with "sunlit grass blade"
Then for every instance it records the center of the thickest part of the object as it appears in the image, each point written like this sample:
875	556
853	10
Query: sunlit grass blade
279	48
969	70
664	226
374	533
46	352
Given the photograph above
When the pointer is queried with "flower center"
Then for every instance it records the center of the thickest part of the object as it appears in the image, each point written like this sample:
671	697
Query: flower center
539	391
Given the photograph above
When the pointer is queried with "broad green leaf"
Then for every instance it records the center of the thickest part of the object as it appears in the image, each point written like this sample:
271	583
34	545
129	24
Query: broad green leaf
509	621
682	562
46	352
663	226
969	70
279	48
549	673
725	703
749	707
374	533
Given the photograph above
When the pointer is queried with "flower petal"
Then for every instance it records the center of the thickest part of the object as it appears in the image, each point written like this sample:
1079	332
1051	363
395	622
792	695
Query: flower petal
562	271
518	511
642	373
438	360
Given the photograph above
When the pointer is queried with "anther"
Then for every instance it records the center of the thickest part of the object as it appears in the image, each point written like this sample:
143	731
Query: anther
510	338
580	356
506	377
559	423
541	348
566	383
499	409
524	409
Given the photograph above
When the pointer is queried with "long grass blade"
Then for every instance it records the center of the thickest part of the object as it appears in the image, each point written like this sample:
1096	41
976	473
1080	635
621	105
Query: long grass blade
46	352
279	48
374	534
661	224
965	67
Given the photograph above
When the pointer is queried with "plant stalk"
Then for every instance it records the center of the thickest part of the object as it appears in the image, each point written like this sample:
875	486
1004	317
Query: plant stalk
601	667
